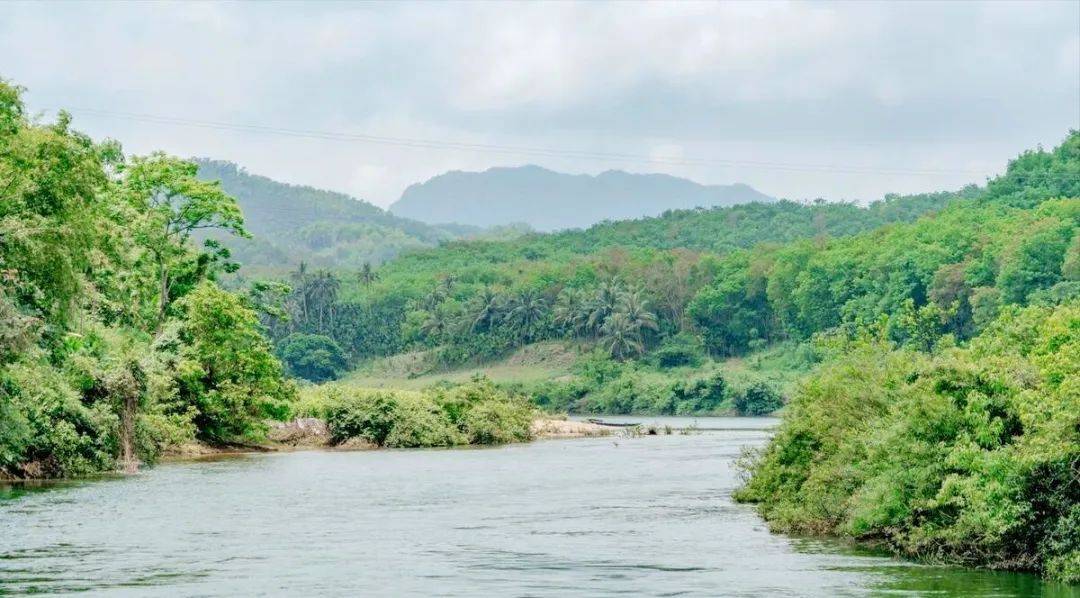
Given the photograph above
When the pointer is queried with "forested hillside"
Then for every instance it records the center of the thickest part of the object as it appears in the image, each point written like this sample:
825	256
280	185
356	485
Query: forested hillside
115	341
290	224
459	297
688	285
547	200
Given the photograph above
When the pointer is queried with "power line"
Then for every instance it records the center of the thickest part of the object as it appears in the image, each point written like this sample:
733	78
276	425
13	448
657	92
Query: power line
510	149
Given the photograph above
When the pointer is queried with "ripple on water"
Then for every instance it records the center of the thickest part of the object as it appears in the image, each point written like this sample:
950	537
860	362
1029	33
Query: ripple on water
648	516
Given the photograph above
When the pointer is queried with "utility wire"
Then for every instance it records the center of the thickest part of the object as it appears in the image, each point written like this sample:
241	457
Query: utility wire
510	149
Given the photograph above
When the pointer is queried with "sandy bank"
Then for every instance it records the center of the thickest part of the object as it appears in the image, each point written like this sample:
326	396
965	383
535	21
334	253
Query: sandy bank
312	434
563	428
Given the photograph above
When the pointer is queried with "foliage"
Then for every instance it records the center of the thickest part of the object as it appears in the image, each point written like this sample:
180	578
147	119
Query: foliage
738	279
115	342
679	351
226	370
757	398
473	413
313	357
968	455
296	223
477	298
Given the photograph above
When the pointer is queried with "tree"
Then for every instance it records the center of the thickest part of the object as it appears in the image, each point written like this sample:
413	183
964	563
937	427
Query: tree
636	311
1035	262
173	203
603	303
526	314
226	371
485	311
367	275
572	311
436	323
313	357
620	337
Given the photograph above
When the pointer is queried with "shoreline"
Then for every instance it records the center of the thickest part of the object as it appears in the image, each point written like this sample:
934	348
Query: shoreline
310	434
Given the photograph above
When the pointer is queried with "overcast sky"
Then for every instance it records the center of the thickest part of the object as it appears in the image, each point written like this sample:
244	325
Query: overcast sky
842	101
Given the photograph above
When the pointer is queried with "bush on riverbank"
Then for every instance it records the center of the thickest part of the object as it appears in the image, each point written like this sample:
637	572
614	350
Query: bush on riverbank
971	455
472	413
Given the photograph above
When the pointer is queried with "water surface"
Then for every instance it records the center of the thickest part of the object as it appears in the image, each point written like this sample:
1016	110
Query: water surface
593	517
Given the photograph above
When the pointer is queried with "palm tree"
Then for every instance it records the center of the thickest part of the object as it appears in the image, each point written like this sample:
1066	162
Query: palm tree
447	284
620	337
526	312
299	280
322	295
636	311
604	303
572	311
485	311
436	324
367	275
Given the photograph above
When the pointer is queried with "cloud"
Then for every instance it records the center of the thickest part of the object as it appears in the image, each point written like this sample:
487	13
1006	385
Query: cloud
943	86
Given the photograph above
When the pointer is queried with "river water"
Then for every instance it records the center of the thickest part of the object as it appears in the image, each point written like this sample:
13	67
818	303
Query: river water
590	517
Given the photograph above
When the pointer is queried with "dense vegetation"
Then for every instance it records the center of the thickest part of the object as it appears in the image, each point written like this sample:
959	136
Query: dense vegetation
725	281
626	285
907	435
961	454
473	413
115	341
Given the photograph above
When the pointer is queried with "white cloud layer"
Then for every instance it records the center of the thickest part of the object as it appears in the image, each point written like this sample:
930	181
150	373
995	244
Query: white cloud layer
956	87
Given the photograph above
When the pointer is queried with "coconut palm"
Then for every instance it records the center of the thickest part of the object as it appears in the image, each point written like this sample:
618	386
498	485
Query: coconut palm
436	324
322	291
572	310
635	308
603	303
299	279
484	311
433	298
527	311
620	337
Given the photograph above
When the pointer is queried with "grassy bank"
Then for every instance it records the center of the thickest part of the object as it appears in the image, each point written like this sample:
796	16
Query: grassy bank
573	377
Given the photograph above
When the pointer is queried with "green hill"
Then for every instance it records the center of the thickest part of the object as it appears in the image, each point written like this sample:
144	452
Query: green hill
295	223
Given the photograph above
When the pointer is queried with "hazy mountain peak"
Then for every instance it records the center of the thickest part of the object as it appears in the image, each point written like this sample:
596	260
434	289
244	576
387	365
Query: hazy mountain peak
549	200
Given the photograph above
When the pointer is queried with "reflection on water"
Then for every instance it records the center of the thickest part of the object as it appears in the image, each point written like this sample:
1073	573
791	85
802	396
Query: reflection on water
600	516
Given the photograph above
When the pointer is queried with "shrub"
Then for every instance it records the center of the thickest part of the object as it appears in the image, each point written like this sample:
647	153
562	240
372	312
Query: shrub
226	371
757	398
498	422
969	455
473	413
703	395
678	351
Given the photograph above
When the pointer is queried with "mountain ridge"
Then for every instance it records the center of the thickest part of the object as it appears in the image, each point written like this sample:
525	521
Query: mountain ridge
549	200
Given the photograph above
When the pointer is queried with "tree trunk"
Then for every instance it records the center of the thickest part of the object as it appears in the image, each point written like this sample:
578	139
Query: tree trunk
128	459
163	299
127	385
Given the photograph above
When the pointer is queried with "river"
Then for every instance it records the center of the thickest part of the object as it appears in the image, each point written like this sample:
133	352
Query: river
651	515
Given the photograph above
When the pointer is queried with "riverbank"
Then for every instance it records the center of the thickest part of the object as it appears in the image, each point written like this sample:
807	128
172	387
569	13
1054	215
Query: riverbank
309	433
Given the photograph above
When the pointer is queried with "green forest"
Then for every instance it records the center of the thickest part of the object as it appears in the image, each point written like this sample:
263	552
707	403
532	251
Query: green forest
922	350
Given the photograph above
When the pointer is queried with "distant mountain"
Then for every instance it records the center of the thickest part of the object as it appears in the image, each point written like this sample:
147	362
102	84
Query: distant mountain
293	223
548	200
